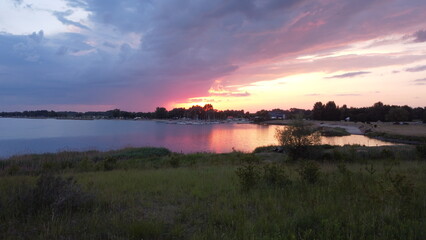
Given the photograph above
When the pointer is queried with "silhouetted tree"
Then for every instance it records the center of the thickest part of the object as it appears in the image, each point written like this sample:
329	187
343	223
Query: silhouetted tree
378	112
424	116
397	114
209	111
344	112
297	137
115	113
262	115
331	112
177	113
317	111
160	113
195	112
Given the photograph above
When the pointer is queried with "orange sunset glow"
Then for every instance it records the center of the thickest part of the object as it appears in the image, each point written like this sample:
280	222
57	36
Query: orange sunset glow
251	56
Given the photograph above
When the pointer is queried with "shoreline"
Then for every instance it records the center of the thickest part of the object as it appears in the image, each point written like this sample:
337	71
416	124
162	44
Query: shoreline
383	131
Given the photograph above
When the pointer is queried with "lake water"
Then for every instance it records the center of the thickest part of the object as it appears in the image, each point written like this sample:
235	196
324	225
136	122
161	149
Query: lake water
21	136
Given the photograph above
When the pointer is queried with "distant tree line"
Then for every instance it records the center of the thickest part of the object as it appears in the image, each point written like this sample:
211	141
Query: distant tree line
195	112
324	112
378	112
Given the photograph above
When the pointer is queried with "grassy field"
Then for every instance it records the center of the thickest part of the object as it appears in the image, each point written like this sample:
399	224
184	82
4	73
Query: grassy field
414	132
411	129
358	193
418	130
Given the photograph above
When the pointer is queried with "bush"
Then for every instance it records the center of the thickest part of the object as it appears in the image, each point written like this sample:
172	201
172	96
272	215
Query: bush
249	159
275	175
387	154
421	150
297	137
174	161
50	193
145	152
109	164
249	176
309	171
12	169
85	165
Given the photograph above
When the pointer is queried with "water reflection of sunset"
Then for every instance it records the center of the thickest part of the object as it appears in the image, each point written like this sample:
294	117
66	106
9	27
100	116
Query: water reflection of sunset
241	138
41	135
246	137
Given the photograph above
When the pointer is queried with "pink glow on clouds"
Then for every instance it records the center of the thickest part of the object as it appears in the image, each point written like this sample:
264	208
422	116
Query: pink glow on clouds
225	52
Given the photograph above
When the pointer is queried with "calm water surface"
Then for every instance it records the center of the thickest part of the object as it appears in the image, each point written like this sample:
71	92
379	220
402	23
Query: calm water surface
21	136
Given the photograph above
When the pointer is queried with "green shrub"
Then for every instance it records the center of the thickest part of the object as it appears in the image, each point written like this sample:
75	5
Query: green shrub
55	194
421	150
387	154
343	169
309	171
49	166
85	165
337	155
297	137
145	152
370	169
174	161
109	164
249	176
249	159
275	175
326	156
12	169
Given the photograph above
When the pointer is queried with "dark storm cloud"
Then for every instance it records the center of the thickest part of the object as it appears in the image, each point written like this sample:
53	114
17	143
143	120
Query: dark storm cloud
140	54
420	36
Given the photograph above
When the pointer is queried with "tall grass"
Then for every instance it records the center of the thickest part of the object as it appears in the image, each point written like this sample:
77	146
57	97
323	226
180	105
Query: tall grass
202	197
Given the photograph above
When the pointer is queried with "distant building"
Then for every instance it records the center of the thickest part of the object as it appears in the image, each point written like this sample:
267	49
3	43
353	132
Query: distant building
277	115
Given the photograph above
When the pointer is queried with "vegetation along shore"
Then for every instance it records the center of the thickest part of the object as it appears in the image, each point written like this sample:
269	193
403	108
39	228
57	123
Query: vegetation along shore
349	192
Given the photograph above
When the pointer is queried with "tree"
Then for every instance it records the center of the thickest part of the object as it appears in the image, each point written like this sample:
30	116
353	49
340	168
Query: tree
344	112
160	113
196	112
297	137
177	113
317	111
116	113
378	112
424	116
262	115
331	112
209	111
398	114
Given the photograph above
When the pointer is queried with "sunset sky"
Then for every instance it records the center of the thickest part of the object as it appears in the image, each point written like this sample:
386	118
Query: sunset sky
95	55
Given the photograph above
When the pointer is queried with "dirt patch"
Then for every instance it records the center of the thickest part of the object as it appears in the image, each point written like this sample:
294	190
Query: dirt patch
358	128
411	129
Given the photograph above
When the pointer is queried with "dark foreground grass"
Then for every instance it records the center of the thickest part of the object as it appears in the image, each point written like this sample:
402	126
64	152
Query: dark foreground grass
202	197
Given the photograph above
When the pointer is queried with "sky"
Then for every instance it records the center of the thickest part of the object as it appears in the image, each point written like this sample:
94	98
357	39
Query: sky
97	55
